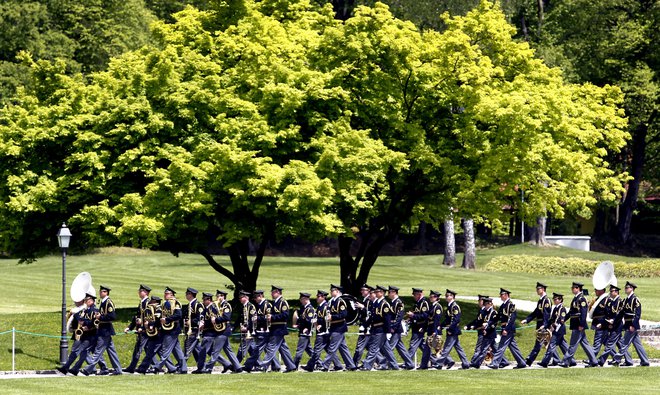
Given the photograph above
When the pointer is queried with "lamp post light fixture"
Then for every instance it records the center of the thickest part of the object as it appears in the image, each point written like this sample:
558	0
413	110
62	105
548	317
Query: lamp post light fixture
63	239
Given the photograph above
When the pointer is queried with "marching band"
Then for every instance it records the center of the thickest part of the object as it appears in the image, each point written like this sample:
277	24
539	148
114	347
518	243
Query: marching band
383	323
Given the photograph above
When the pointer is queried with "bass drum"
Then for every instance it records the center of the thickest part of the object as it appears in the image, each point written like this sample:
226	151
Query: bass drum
353	312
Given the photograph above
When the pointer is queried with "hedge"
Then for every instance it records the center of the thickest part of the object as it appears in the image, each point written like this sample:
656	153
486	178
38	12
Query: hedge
570	266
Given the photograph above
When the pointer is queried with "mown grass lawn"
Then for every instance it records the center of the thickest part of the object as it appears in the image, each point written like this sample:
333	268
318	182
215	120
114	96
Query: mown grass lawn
550	381
30	295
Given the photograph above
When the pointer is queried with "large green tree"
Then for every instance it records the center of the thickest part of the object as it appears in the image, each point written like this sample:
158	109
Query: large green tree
290	122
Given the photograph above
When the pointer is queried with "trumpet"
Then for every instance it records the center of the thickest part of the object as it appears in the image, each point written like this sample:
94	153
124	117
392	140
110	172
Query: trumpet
328	321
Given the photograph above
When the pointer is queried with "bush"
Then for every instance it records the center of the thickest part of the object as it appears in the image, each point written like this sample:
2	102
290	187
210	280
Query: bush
569	266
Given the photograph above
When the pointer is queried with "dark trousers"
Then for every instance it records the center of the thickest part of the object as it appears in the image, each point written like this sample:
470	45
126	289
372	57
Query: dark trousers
396	343
304	346
360	346
104	343
337	342
600	340
452	342
76	351
632	338
140	344
278	343
556	341
508	341
416	341
192	346
579	338
170	345
257	346
378	344
151	349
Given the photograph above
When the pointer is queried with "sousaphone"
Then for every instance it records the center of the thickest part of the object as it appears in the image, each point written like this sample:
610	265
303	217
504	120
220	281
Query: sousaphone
603	277
82	285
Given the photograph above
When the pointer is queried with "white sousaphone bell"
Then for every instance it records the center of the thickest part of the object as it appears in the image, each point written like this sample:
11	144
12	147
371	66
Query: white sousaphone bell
603	277
82	285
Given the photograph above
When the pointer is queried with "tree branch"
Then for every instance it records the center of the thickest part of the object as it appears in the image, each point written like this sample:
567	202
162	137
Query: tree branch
219	268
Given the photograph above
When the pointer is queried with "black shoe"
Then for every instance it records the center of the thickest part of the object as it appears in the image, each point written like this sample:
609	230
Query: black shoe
626	364
615	363
543	365
365	369
474	365
226	369
504	365
591	365
181	372
290	370
140	371
449	365
115	373
353	369
492	367
563	365
198	371
128	370
644	364
103	373
85	372
601	362
529	362
464	367
520	366
74	372
239	370
61	370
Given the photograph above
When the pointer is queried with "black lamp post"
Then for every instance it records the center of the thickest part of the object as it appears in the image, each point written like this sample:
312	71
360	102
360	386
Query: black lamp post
63	239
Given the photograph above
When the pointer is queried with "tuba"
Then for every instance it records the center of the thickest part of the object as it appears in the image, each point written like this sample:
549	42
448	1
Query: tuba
435	343
603	276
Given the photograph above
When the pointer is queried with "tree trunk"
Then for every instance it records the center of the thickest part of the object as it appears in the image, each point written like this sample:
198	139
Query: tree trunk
537	236
470	255
450	244
242	276
637	166
421	236
343	8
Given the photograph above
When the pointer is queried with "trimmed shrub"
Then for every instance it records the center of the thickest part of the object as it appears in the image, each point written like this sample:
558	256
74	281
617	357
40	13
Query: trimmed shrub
555	266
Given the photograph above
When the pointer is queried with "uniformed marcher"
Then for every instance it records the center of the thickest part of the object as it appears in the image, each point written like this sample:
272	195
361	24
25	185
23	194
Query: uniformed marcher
192	315
261	332
136	324
223	322
541	314
171	328
452	327
88	336
578	323
279	318
380	332
419	321
322	323
306	315
74	319
598	323
363	318
507	319
556	326
210	331
614	321
489	332
396	327
105	331
338	328
632	312
151	328
433	328
477	325
246	324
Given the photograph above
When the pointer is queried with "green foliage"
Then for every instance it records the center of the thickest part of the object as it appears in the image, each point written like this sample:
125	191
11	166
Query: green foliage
557	266
84	34
291	123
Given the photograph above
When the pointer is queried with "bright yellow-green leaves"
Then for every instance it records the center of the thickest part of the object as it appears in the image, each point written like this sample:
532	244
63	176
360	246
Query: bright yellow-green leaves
290	123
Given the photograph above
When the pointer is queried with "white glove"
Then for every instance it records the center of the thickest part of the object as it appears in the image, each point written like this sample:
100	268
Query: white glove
388	336
523	322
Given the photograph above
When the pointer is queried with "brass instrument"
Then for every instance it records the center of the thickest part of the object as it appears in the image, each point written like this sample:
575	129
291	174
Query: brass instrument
268	320
246	313
96	323
150	318
189	333
167	313
328	320
489	356
543	336
294	319
78	332
254	326
219	327
435	343
405	326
